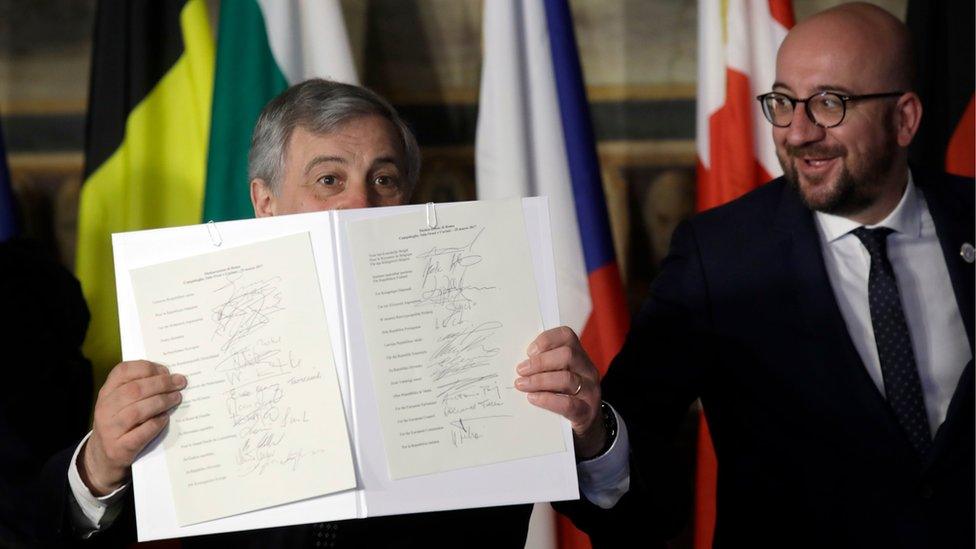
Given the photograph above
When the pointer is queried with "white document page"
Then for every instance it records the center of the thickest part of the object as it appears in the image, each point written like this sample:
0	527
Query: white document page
547	477
156	516
448	311
261	422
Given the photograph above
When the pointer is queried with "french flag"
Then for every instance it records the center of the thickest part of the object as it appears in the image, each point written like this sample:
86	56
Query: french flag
535	138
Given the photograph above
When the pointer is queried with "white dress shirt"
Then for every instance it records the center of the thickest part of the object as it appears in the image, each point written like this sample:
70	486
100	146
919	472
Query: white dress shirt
931	312
934	322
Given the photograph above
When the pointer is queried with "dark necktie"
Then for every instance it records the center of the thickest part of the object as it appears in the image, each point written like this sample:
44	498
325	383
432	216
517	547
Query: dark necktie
325	534
898	370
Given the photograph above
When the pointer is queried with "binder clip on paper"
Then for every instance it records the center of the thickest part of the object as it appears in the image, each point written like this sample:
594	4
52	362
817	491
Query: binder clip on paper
431	216
214	234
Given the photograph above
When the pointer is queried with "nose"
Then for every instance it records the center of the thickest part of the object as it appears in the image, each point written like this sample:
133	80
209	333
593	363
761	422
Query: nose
353	196
802	130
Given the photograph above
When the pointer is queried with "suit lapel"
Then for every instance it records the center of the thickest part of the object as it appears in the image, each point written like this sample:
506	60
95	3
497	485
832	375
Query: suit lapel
822	318
804	264
954	227
953	230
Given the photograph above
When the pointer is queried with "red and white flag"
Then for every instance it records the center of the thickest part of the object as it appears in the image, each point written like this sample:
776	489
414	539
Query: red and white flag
737	43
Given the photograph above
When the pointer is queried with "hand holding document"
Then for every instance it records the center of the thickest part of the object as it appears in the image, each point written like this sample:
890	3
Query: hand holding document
343	364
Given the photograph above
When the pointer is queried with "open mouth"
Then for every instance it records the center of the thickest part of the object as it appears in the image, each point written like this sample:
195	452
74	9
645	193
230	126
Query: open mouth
816	165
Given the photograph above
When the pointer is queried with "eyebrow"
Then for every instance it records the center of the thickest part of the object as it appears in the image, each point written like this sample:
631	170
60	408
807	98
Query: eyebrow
323	159
826	88
386	160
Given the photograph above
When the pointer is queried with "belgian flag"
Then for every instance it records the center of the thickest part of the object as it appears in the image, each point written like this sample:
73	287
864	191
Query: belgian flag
146	141
942	33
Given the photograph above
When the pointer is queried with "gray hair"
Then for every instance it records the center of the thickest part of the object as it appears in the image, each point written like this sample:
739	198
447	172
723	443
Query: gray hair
319	106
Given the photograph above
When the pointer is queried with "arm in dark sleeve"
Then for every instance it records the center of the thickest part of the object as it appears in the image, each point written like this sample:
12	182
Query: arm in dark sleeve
651	383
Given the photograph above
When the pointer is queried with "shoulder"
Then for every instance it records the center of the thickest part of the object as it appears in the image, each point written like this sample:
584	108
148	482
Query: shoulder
958	187
751	214
953	195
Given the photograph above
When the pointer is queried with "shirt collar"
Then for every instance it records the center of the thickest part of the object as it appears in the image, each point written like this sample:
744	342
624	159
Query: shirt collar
905	218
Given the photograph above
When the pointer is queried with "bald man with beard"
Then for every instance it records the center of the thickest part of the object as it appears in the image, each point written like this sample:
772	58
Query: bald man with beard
824	320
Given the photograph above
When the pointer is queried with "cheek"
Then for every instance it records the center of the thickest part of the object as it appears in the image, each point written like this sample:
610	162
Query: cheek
304	200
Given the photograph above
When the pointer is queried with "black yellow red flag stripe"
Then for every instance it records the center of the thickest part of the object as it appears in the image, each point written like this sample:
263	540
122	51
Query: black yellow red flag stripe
146	141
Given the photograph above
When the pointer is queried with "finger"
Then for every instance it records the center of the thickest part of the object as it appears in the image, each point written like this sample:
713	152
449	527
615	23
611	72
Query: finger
576	410
124	372
135	440
550	339
147	387
552	360
563	382
137	413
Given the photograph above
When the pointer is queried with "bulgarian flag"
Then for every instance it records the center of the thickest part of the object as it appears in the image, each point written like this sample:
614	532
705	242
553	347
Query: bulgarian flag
145	142
263	47
737	44
534	137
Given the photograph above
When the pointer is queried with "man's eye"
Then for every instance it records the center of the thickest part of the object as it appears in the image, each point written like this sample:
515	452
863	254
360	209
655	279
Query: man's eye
327	180
385	181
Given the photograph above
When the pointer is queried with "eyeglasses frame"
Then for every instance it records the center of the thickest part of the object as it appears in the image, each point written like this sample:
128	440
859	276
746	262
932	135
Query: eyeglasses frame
843	101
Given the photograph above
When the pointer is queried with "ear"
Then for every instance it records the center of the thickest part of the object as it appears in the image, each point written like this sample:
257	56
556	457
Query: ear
908	116
262	199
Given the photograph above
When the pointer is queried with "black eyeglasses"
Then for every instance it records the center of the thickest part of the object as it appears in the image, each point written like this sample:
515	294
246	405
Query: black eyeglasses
825	109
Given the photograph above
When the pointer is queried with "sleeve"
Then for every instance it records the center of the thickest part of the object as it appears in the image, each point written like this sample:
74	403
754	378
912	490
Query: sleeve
605	479
90	514
651	384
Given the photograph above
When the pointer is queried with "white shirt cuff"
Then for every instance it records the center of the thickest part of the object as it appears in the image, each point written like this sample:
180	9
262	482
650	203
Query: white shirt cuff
606	478
89	513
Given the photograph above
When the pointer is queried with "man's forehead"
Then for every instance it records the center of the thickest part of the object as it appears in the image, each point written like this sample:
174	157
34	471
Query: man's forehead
357	135
853	47
818	63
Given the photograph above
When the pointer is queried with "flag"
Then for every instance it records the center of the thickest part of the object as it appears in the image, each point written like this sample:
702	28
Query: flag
263	47
942	35
737	44
8	205
145	142
534	137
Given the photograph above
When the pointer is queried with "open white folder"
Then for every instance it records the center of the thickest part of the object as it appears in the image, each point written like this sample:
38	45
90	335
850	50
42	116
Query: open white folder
385	484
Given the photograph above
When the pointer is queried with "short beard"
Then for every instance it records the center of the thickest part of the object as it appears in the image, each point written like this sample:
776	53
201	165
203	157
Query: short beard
851	193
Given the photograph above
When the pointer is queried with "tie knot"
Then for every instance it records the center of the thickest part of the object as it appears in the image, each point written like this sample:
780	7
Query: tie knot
875	240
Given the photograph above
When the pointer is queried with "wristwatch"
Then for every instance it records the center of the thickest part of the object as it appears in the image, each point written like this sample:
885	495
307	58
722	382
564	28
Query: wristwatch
610	426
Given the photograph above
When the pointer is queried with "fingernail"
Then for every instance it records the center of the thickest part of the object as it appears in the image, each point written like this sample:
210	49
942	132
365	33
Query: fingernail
533	349
523	367
533	397
521	382
179	380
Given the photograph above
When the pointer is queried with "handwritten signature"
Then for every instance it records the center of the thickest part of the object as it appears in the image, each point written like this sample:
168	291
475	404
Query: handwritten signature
471	428
443	280
249	308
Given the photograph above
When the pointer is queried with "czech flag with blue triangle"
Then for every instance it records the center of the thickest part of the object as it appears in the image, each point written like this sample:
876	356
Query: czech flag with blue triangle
535	138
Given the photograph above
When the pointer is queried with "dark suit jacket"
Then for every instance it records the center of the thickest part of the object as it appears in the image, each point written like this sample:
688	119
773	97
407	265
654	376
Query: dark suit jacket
743	317
47	391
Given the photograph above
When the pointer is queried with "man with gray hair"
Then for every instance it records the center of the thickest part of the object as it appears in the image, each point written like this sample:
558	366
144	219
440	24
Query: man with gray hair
320	145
